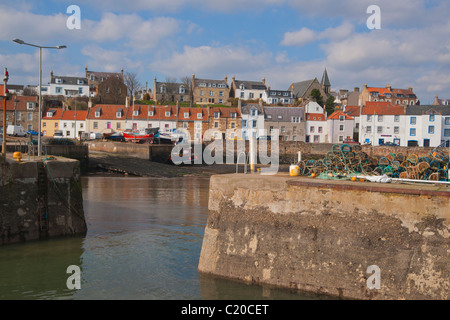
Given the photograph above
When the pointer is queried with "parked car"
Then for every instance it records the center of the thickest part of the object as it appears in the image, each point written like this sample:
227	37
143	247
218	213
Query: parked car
265	138
117	137
17	131
95	136
33	133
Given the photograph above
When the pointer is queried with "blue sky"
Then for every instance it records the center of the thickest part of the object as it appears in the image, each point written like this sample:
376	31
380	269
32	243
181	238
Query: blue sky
284	41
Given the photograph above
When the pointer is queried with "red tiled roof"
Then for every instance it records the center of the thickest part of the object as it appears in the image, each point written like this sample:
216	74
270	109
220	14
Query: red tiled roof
382	108
193	114
335	115
56	116
159	112
224	112
353	111
70	115
317	116
384	91
108	112
21	102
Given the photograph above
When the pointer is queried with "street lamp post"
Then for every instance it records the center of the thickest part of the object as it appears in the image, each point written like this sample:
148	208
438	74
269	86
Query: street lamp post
40	85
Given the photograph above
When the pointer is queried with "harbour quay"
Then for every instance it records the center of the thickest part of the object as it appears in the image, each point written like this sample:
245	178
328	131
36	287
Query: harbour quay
348	239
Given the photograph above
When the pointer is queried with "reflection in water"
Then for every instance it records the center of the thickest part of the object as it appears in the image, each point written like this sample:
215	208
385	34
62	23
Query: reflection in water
143	242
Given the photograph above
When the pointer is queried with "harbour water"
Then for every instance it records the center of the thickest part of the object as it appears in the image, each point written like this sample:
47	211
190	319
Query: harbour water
143	242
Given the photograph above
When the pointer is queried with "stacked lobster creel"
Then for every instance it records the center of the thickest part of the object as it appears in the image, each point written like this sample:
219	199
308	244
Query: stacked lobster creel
346	161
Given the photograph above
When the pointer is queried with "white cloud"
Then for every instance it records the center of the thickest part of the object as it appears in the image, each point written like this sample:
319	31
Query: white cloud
299	38
206	61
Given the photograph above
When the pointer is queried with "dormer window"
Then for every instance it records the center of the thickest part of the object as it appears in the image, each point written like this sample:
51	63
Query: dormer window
80	81
341	118
182	90
163	89
31	105
150	113
97	113
199	115
118	114
186	114
58	80
242	87
167	113
233	115
135	112
216	115
50	114
254	112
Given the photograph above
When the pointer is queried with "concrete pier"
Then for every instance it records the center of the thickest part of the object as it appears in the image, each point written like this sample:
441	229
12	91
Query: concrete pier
330	237
40	199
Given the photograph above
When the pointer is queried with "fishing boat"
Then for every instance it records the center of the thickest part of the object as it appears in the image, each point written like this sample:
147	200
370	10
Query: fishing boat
145	135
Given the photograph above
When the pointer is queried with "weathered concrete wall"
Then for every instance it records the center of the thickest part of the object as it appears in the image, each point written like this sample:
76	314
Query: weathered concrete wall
40	201
321	236
156	153
76	152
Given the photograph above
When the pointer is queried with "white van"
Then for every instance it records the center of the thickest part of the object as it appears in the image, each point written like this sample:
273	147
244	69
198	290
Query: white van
17	131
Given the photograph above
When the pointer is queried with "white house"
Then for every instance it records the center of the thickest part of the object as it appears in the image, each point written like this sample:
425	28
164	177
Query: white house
283	97
381	123
73	123
66	86
427	126
340	127
252	120
316	123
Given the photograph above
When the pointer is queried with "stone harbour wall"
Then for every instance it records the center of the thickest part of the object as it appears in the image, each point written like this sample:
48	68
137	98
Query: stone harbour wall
40	200
325	237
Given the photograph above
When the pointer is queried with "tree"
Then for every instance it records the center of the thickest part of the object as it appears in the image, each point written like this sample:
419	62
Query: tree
317	96
132	83
329	105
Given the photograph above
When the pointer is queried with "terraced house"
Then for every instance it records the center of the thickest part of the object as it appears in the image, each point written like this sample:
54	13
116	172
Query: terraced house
394	96
247	90
151	116
289	121
21	111
103	118
195	121
206	91
51	122
225	123
168	92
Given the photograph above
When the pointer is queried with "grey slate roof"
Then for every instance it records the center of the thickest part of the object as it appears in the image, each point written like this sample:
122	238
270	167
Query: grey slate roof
251	85
272	114
69	80
299	88
416	110
245	109
209	81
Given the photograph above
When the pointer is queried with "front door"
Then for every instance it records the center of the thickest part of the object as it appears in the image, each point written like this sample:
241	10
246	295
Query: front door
426	142
381	142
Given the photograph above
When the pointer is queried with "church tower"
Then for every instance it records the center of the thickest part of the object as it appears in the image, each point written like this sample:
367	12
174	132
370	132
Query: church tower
325	83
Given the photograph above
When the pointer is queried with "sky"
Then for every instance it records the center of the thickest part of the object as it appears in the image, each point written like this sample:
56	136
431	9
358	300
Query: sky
283	41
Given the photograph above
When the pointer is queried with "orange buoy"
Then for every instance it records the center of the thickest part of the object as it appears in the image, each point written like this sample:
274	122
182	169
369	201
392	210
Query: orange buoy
354	179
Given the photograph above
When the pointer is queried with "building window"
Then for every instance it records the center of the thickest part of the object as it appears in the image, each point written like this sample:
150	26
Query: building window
413	120
341	127
118	114
396	130
341	118
380	118
431	129
186	114
320	129
369	129
29	116
97	114
201	92
447	132
233	125
396	118
95	125
151	113
431	117
341	138
211	93
369	118
412	132
216	115
199	115
44	124
58	90
311	129
216	124
283	129
254	124
379	129
56	124
167	113
135	113
244	123
447	120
